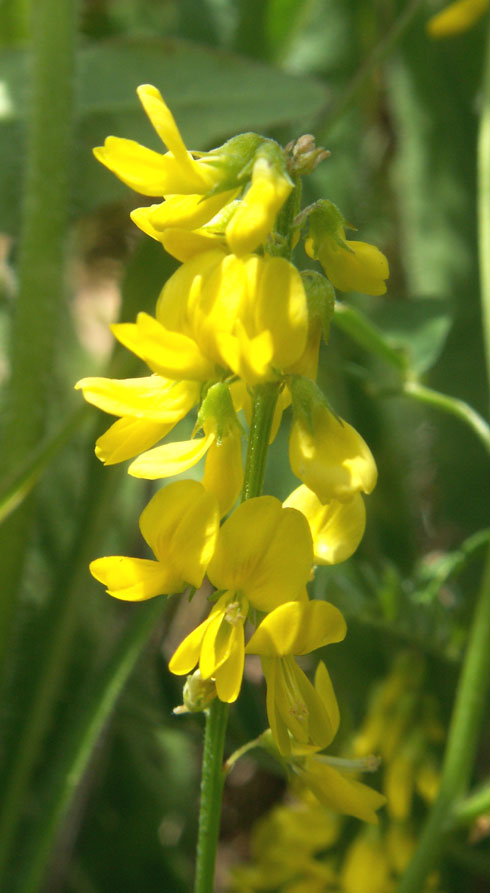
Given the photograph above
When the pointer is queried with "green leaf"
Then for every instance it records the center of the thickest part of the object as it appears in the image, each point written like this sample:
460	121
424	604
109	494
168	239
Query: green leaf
418	327
213	95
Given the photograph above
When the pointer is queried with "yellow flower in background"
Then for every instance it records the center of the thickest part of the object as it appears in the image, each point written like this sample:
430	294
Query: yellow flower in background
148	408
331	458
351	266
180	524
262	558
456	17
336	527
336	790
366	866
296	709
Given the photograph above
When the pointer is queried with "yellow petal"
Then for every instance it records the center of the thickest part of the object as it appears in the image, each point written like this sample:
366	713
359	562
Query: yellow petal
184	245
139	168
133	579
256	213
180	524
170	459
280	307
352	266
223	471
188	211
456	17
336	527
341	793
153	398
169	353
127	437
333	460
229	675
186	656
324	687
297	628
263	550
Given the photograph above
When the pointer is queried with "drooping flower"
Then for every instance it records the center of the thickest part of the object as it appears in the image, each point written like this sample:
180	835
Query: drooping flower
350	266
180	524
262	558
329	455
218	313
148	408
297	710
336	527
456	18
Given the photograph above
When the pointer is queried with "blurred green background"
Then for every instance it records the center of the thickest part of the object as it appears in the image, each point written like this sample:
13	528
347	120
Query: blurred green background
105	779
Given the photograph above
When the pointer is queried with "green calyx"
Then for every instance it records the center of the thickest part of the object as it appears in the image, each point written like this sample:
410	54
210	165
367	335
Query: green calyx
217	410
320	296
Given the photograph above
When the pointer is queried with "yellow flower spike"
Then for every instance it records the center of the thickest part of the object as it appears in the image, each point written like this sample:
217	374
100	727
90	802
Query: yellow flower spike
149	172
456	17
264	551
332	459
218	645
336	527
180	524
256	213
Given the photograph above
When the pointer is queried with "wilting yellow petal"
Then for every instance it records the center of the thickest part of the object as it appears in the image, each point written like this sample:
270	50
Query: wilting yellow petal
336	527
332	460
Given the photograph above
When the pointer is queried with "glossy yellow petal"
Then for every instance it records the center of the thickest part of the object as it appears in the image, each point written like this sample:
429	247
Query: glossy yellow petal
256	213
166	352
180	524
341	793
184	245
352	266
188	211
263	550
297	628
249	358
223	471
141	217
229	675
186	655
154	398
336	527
139	168
127	437
456	17
324	687
170	458
332	460
279	306
134	579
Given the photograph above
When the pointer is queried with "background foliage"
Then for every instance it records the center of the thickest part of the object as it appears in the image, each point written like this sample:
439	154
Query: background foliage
93	779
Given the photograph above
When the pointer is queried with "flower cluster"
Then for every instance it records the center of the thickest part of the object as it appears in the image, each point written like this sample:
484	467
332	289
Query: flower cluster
235	322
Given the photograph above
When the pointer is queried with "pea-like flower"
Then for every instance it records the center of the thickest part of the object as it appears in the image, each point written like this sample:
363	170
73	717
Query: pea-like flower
263	557
219	312
297	710
180	524
148	408
336	527
330	456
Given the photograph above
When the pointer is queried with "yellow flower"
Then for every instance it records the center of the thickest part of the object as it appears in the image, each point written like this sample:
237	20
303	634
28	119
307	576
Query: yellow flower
180	524
332	459
336	527
263	557
148	408
350	266
254	217
219	313
336	790
456	17
294	706
147	171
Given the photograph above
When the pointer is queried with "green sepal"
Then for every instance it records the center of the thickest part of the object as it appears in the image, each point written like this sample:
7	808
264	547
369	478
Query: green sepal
325	219
305	396
320	296
218	406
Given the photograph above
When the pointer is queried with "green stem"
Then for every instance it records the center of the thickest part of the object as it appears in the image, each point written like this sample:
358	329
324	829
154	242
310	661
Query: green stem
475	804
85	734
379	53
41	269
213	774
484	204
461	744
364	333
451	405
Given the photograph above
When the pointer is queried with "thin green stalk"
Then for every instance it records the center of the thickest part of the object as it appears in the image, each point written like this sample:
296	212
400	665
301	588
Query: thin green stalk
483	199
453	406
475	804
85	736
213	774
379	53
461	743
41	268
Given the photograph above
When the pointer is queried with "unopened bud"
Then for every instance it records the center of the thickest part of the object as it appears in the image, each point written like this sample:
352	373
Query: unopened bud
198	694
